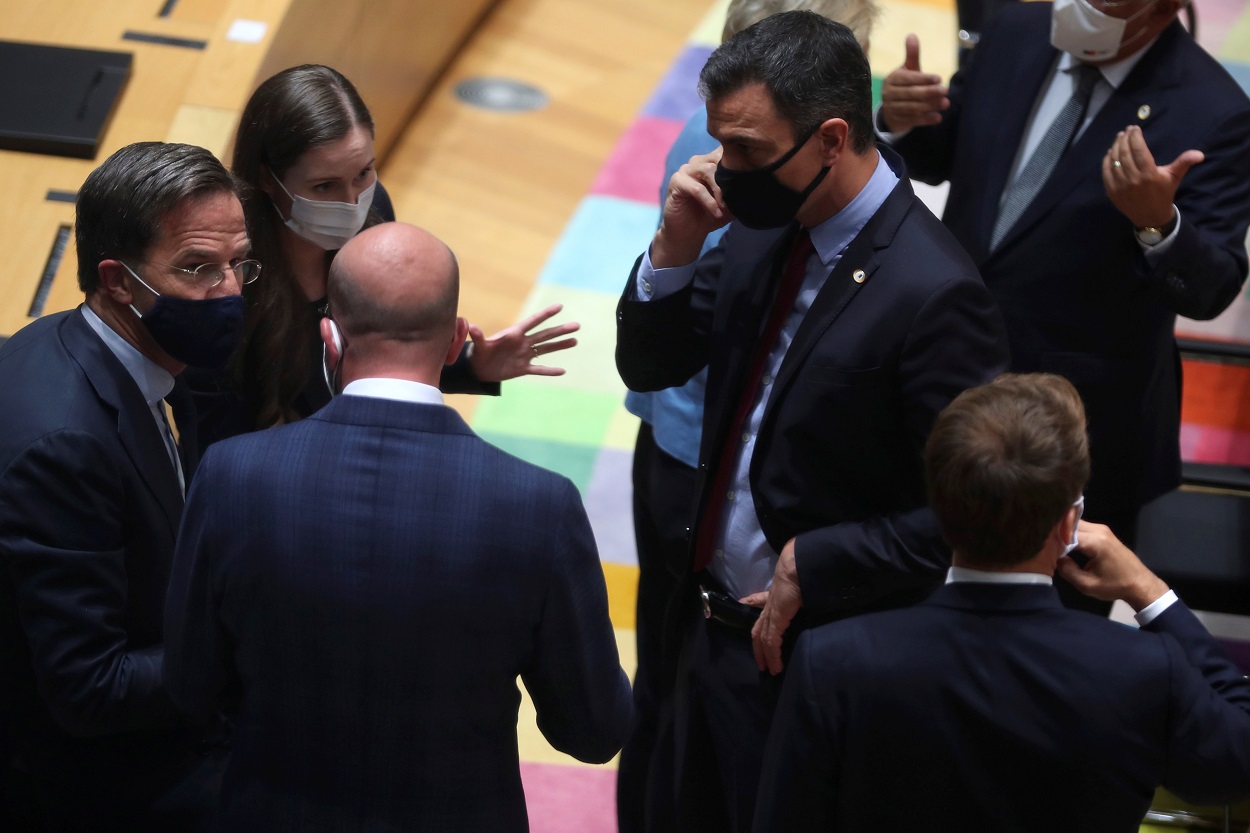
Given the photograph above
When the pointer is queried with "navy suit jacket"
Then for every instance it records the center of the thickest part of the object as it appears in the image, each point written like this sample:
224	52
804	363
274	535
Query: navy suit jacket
1078	295
838	458
992	707
365	586
89	507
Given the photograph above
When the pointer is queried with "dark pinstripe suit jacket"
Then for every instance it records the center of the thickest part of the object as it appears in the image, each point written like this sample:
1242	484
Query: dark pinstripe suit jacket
365	586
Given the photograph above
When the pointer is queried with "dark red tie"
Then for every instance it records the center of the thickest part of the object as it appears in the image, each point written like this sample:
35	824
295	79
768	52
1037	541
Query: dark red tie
723	464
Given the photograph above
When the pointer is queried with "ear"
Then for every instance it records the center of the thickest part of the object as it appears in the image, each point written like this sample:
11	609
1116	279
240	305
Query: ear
115	282
272	190
333	341
1062	533
833	134
457	340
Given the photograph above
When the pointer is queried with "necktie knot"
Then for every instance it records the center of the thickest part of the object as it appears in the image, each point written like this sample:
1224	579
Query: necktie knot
1087	76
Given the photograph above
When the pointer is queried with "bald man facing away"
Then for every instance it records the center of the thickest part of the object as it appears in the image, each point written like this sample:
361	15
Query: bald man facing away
365	586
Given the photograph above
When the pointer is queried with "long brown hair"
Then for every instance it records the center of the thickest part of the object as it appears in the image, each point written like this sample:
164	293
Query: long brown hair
298	109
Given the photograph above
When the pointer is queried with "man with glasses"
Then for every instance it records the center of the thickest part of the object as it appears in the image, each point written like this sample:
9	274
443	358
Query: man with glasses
91	495
1099	169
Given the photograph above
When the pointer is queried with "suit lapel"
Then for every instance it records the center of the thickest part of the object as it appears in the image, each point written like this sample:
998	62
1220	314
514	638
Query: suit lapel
136	427
1084	158
841	286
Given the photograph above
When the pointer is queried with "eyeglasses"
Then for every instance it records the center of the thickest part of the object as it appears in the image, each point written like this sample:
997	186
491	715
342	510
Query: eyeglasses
212	274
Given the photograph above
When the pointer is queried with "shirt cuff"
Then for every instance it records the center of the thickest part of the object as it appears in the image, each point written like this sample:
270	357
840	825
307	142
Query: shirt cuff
1152	611
652	284
1158	250
882	134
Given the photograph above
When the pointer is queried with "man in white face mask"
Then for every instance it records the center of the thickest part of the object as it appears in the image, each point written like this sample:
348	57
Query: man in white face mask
1099	169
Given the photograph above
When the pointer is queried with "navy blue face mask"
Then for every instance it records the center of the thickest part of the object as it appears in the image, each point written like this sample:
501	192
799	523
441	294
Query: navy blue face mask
757	199
201	333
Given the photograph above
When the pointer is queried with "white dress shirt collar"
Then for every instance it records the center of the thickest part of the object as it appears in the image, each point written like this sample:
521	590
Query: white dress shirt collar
967	574
831	237
1113	73
399	390
154	381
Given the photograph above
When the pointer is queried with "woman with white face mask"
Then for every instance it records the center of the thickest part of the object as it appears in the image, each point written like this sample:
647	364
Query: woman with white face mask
304	148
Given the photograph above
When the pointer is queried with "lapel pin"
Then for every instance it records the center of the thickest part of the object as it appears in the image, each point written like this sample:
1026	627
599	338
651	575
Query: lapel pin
1143	112
858	276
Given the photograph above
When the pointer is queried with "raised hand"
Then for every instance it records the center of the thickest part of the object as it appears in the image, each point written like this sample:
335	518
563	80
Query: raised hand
912	98
692	210
511	352
1140	189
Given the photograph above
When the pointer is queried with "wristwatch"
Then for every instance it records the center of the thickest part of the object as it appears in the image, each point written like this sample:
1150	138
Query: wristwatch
1153	236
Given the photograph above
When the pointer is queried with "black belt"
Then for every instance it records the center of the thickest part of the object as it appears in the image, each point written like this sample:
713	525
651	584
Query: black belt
725	609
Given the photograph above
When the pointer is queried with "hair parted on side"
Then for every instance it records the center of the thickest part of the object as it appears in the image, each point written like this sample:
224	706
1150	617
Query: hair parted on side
1004	462
122	203
290	113
813	68
858	15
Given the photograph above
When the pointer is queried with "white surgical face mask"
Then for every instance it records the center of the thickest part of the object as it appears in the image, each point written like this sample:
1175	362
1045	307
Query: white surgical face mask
1080	510
327	224
1087	34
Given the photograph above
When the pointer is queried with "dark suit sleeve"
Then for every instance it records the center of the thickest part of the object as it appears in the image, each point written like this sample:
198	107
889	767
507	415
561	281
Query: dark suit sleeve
459	378
955	342
1205	267
663	343
800	775
64	547
198	652
580	692
1208	759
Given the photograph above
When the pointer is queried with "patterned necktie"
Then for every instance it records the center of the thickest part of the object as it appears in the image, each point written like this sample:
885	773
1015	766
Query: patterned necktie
1021	192
171	446
723	465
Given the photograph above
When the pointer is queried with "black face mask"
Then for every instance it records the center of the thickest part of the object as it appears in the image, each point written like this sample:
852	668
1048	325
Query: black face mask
757	199
199	333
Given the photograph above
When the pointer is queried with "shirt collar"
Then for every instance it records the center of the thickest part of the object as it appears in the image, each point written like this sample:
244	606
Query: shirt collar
1113	73
958	574
836	233
400	390
154	381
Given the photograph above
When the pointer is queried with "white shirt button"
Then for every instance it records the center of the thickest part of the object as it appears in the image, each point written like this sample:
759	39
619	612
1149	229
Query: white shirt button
646	285
719	553
730	496
746	438
766	379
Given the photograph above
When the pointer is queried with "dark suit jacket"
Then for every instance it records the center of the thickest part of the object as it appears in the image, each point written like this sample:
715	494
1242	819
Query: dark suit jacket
89	506
367	584
838	458
994	708
1078	295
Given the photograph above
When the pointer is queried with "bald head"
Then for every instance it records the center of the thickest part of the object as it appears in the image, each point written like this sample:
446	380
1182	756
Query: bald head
395	283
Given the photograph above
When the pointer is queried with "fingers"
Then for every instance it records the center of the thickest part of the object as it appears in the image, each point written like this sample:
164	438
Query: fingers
537	318
910	98
757	643
475	333
755	599
554	332
553	346
912	61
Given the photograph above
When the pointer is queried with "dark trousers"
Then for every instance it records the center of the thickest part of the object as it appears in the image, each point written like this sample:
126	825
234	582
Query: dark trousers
725	708
664	494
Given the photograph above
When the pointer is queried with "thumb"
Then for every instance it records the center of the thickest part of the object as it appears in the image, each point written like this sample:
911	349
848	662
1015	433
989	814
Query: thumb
912	61
475	333
1183	163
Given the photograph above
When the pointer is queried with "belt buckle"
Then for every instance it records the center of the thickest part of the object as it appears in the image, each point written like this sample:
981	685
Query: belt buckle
707	602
